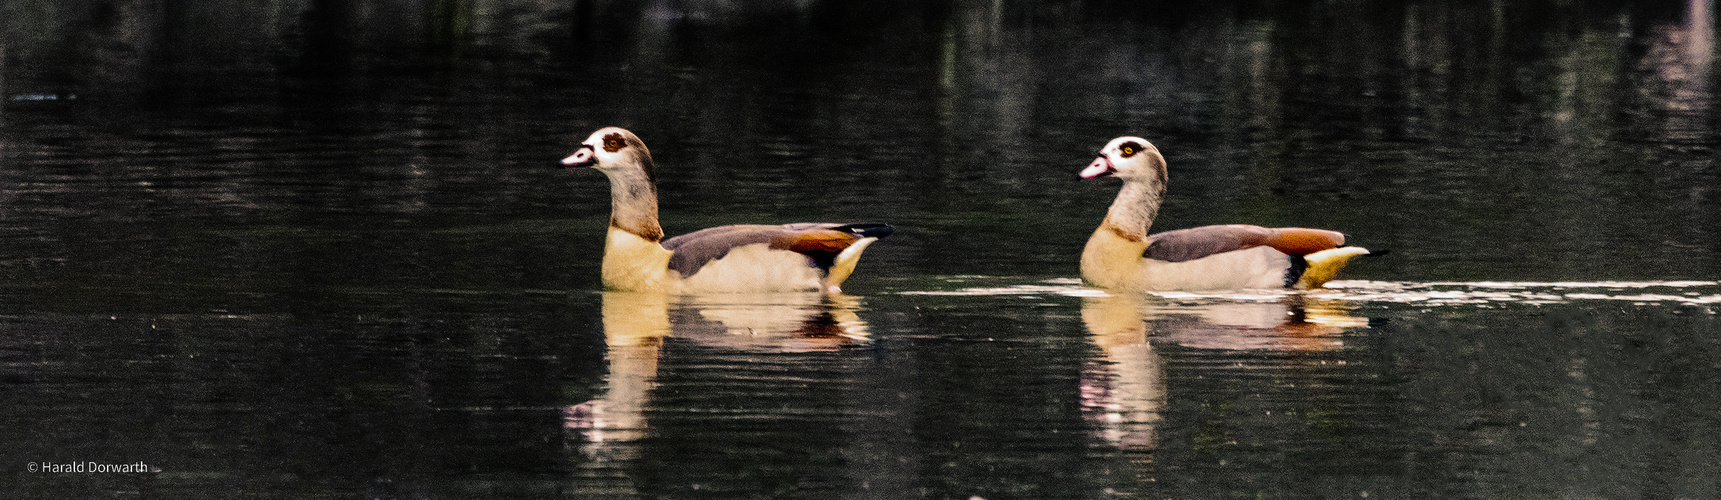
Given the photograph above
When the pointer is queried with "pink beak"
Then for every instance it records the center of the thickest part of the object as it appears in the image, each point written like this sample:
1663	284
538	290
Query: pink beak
1100	166
581	157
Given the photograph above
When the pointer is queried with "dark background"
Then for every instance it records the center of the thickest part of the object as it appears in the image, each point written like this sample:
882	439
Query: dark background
320	248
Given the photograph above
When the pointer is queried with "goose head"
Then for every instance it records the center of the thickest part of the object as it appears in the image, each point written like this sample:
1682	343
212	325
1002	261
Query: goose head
1132	159
612	150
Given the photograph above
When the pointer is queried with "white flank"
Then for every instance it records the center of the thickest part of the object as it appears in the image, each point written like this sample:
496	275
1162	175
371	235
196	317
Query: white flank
1258	267
753	269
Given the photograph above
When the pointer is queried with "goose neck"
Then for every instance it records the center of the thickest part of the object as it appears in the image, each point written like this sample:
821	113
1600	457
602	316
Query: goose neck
633	203
1134	209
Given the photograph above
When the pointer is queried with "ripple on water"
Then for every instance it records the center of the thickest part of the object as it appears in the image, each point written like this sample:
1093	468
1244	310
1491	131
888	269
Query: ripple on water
1431	293
1056	286
1486	292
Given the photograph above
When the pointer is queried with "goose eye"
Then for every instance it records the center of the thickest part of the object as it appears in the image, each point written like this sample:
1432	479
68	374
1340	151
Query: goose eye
1128	151
613	143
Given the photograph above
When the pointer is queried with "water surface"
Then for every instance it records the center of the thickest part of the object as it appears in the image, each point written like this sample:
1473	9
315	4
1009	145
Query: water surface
298	249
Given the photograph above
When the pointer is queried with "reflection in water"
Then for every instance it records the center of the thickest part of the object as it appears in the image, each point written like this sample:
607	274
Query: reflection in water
1700	36
293	148
611	429
1679	60
634	327
636	324
1295	322
1124	397
774	322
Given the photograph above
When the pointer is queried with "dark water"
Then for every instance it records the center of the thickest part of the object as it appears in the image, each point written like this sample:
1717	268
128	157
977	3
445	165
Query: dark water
318	249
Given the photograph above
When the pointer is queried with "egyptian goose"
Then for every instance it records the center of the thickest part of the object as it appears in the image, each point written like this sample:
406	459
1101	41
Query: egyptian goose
1122	256
739	258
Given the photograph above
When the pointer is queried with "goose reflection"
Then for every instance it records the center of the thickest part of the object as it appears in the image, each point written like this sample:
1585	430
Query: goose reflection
1295	322
1123	396
774	322
1124	393
636	325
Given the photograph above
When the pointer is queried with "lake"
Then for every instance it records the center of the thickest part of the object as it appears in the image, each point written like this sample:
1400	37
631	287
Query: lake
290	249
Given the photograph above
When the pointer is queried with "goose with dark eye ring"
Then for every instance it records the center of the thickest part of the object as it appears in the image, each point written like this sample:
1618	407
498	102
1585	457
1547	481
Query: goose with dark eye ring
727	259
1122	256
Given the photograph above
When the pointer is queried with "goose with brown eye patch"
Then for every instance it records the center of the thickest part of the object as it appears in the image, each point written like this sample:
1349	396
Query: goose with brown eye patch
1122	256
614	142
739	258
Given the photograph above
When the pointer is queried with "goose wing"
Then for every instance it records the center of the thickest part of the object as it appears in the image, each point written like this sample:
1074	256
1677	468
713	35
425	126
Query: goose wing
1197	242
819	241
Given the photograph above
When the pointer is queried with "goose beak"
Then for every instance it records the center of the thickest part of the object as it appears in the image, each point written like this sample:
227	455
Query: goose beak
582	158
1100	166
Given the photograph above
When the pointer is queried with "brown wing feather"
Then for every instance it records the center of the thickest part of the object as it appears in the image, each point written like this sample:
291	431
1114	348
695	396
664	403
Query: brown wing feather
1302	241
1197	242
820	242
814	241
